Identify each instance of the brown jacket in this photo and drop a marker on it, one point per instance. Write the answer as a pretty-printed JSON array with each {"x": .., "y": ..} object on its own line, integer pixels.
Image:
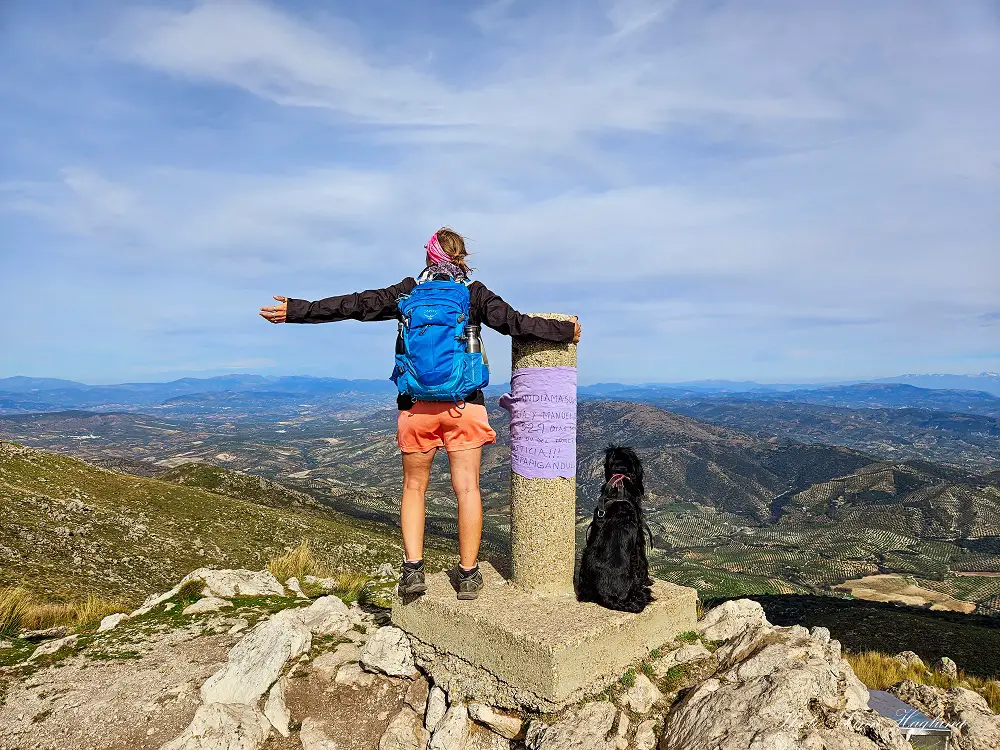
[{"x": 486, "y": 308}]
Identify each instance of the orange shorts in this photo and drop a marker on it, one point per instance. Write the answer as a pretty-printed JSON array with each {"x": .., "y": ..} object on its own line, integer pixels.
[{"x": 441, "y": 424}]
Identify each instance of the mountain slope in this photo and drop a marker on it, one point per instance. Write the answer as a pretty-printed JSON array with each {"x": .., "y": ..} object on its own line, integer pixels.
[{"x": 71, "y": 528}]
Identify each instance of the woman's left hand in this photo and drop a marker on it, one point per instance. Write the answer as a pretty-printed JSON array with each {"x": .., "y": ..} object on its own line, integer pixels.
[{"x": 278, "y": 313}]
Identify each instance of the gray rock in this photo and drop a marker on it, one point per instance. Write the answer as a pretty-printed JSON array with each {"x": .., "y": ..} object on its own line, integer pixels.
[
  {"x": 452, "y": 732},
  {"x": 221, "y": 583},
  {"x": 582, "y": 728},
  {"x": 59, "y": 631},
  {"x": 389, "y": 652},
  {"x": 642, "y": 695},
  {"x": 730, "y": 619},
  {"x": 313, "y": 736},
  {"x": 623, "y": 724},
  {"x": 218, "y": 726},
  {"x": 437, "y": 706},
  {"x": 976, "y": 726},
  {"x": 328, "y": 663},
  {"x": 821, "y": 634},
  {"x": 416, "y": 695},
  {"x": 6, "y": 644},
  {"x": 327, "y": 615},
  {"x": 239, "y": 625},
  {"x": 256, "y": 661},
  {"x": 779, "y": 690},
  {"x": 111, "y": 622},
  {"x": 645, "y": 735},
  {"x": 504, "y": 724},
  {"x": 684, "y": 655},
  {"x": 52, "y": 646},
  {"x": 947, "y": 667},
  {"x": 275, "y": 709},
  {"x": 292, "y": 584},
  {"x": 206, "y": 604},
  {"x": 405, "y": 732},
  {"x": 909, "y": 659}
]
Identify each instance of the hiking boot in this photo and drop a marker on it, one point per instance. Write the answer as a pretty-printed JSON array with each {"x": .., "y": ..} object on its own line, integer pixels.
[
  {"x": 411, "y": 581},
  {"x": 469, "y": 583}
]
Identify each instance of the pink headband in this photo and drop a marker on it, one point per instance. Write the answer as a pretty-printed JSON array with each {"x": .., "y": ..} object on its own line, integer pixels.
[{"x": 434, "y": 251}]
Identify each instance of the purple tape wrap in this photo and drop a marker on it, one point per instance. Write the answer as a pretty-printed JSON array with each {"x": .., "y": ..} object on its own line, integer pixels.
[{"x": 542, "y": 406}]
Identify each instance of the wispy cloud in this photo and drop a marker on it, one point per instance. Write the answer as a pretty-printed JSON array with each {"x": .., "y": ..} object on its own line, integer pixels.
[{"x": 735, "y": 180}]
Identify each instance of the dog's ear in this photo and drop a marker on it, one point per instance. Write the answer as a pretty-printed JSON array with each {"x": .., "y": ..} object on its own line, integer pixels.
[{"x": 609, "y": 460}]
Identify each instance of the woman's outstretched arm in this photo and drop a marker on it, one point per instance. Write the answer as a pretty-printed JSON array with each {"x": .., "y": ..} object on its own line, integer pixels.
[
  {"x": 491, "y": 309},
  {"x": 370, "y": 305}
]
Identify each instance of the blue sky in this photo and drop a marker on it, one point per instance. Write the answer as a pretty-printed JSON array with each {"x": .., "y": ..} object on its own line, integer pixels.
[{"x": 770, "y": 190}]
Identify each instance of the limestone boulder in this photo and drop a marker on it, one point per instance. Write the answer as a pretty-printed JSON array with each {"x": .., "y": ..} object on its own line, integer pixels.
[
  {"x": 111, "y": 622},
  {"x": 389, "y": 652},
  {"x": 328, "y": 615},
  {"x": 292, "y": 584},
  {"x": 405, "y": 732},
  {"x": 256, "y": 662},
  {"x": 45, "y": 634},
  {"x": 909, "y": 659},
  {"x": 416, "y": 695},
  {"x": 976, "y": 726},
  {"x": 224, "y": 584},
  {"x": 327, "y": 664},
  {"x": 437, "y": 706},
  {"x": 51, "y": 647},
  {"x": 645, "y": 735},
  {"x": 730, "y": 619},
  {"x": 585, "y": 727},
  {"x": 642, "y": 696},
  {"x": 779, "y": 688},
  {"x": 218, "y": 726},
  {"x": 452, "y": 732},
  {"x": 206, "y": 604},
  {"x": 275, "y": 709},
  {"x": 506, "y": 725},
  {"x": 947, "y": 667},
  {"x": 313, "y": 736}
]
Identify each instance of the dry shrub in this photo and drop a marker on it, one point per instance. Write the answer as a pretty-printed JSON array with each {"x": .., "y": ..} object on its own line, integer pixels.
[
  {"x": 879, "y": 671},
  {"x": 299, "y": 563},
  {"x": 14, "y": 602},
  {"x": 19, "y": 611}
]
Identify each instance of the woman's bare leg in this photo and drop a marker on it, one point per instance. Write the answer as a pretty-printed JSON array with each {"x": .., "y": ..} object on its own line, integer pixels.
[
  {"x": 416, "y": 475},
  {"x": 465, "y": 482}
]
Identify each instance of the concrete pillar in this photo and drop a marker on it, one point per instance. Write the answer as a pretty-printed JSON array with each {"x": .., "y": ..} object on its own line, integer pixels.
[{"x": 543, "y": 511}]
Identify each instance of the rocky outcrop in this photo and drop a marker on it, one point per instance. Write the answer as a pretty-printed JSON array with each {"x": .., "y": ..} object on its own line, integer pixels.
[
  {"x": 206, "y": 604},
  {"x": 389, "y": 652},
  {"x": 506, "y": 725},
  {"x": 778, "y": 688},
  {"x": 583, "y": 728},
  {"x": 219, "y": 726},
  {"x": 111, "y": 622},
  {"x": 437, "y": 707},
  {"x": 452, "y": 732},
  {"x": 678, "y": 657},
  {"x": 947, "y": 667},
  {"x": 642, "y": 696},
  {"x": 730, "y": 619},
  {"x": 257, "y": 661},
  {"x": 976, "y": 726},
  {"x": 224, "y": 584},
  {"x": 405, "y": 732},
  {"x": 909, "y": 659}
]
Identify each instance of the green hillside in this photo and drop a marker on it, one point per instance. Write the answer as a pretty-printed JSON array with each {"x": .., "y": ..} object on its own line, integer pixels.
[{"x": 69, "y": 528}]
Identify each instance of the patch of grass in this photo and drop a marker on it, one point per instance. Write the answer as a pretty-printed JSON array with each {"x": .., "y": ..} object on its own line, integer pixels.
[
  {"x": 19, "y": 611},
  {"x": 879, "y": 671},
  {"x": 14, "y": 602},
  {"x": 689, "y": 636},
  {"x": 628, "y": 679},
  {"x": 673, "y": 678},
  {"x": 647, "y": 669},
  {"x": 190, "y": 591},
  {"x": 656, "y": 653}
]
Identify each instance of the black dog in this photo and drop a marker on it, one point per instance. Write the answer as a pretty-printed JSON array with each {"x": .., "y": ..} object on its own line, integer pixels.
[{"x": 614, "y": 572}]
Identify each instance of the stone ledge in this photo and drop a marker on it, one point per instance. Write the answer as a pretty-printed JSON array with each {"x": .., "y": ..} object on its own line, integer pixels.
[{"x": 521, "y": 650}]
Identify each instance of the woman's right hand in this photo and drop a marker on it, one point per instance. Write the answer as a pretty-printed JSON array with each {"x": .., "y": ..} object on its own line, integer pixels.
[
  {"x": 576, "y": 330},
  {"x": 277, "y": 313}
]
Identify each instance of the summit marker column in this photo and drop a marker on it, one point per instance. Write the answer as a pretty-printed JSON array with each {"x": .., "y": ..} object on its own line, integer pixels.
[{"x": 543, "y": 463}]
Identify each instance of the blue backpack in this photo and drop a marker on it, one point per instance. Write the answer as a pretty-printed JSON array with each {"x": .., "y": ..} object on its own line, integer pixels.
[{"x": 432, "y": 363}]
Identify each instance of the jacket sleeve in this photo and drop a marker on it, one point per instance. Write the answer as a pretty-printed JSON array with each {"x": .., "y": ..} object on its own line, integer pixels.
[
  {"x": 370, "y": 305},
  {"x": 489, "y": 308}
]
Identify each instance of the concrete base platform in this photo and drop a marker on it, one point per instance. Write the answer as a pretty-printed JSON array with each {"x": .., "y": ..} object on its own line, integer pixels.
[{"x": 519, "y": 650}]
